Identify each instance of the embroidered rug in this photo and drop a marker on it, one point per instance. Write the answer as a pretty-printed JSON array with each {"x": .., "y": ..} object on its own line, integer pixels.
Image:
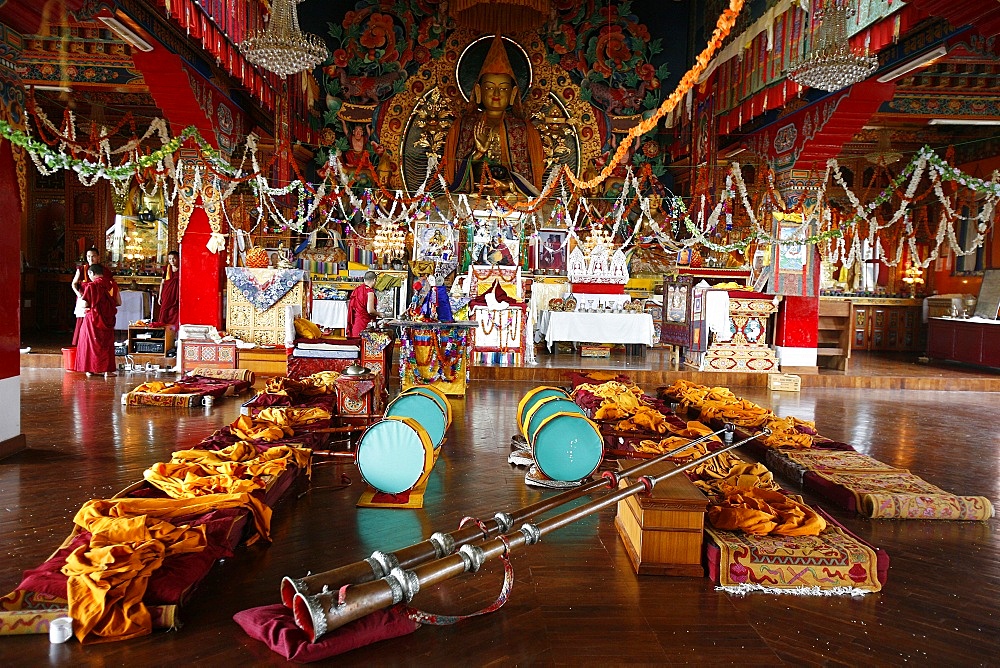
[
  {"x": 840, "y": 460},
  {"x": 163, "y": 400},
  {"x": 897, "y": 495},
  {"x": 794, "y": 464},
  {"x": 834, "y": 562}
]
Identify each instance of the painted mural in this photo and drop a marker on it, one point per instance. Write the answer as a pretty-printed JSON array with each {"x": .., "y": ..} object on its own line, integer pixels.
[{"x": 397, "y": 81}]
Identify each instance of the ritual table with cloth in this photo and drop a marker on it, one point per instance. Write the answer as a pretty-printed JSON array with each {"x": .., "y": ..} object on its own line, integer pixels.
[
  {"x": 435, "y": 353},
  {"x": 576, "y": 326}
]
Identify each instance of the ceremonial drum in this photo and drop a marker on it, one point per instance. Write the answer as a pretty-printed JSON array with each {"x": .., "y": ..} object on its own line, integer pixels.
[
  {"x": 567, "y": 446},
  {"x": 395, "y": 454},
  {"x": 424, "y": 410},
  {"x": 533, "y": 397},
  {"x": 544, "y": 408},
  {"x": 433, "y": 393}
]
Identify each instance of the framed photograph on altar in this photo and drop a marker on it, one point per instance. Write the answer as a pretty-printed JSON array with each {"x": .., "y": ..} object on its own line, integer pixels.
[
  {"x": 434, "y": 241},
  {"x": 791, "y": 257},
  {"x": 549, "y": 251},
  {"x": 276, "y": 255}
]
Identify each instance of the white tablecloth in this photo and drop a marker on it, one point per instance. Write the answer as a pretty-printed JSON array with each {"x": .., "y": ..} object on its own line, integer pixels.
[
  {"x": 329, "y": 313},
  {"x": 597, "y": 327},
  {"x": 135, "y": 306}
]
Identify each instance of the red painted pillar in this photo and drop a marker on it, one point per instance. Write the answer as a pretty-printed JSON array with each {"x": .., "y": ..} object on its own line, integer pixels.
[
  {"x": 203, "y": 275},
  {"x": 11, "y": 438},
  {"x": 796, "y": 332}
]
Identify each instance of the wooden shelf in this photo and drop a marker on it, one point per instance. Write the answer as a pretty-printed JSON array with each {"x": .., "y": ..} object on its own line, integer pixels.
[
  {"x": 835, "y": 331},
  {"x": 150, "y": 340}
]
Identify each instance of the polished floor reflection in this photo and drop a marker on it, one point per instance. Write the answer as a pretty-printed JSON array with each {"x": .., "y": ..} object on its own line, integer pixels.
[{"x": 575, "y": 599}]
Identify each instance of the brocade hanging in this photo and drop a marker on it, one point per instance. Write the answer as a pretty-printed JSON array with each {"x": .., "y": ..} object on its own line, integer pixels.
[{"x": 264, "y": 295}]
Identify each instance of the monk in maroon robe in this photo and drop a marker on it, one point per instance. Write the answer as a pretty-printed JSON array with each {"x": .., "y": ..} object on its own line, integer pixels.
[
  {"x": 361, "y": 308},
  {"x": 95, "y": 351},
  {"x": 80, "y": 279},
  {"x": 170, "y": 291}
]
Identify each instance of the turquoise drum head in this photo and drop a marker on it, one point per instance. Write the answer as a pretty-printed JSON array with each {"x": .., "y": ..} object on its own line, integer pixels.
[
  {"x": 533, "y": 397},
  {"x": 547, "y": 408},
  {"x": 437, "y": 396},
  {"x": 567, "y": 447},
  {"x": 424, "y": 410},
  {"x": 393, "y": 456}
]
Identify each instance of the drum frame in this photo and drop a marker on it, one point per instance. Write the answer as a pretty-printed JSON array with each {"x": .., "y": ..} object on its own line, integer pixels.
[
  {"x": 425, "y": 440},
  {"x": 550, "y": 419}
]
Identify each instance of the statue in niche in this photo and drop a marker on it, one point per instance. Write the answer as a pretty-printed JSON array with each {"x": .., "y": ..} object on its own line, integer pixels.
[{"x": 494, "y": 132}]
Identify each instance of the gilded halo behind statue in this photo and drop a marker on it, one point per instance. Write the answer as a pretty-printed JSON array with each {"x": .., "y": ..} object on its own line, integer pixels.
[
  {"x": 488, "y": 111},
  {"x": 474, "y": 55}
]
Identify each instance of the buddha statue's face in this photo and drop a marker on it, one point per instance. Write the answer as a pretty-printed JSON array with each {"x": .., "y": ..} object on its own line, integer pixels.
[{"x": 496, "y": 91}]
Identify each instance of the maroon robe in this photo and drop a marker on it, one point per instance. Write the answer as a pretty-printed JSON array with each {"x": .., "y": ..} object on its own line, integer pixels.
[
  {"x": 83, "y": 282},
  {"x": 169, "y": 301},
  {"x": 357, "y": 311},
  {"x": 95, "y": 351}
]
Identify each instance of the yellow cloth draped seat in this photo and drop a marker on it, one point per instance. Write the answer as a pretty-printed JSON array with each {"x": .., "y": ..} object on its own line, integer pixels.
[
  {"x": 693, "y": 430},
  {"x": 785, "y": 435},
  {"x": 130, "y": 538},
  {"x": 759, "y": 511},
  {"x": 160, "y": 387},
  {"x": 740, "y": 412}
]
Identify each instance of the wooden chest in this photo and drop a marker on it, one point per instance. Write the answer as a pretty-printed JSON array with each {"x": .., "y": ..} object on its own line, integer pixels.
[
  {"x": 663, "y": 531},
  {"x": 207, "y": 354}
]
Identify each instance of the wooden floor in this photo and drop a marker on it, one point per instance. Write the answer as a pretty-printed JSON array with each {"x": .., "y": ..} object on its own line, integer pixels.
[{"x": 576, "y": 600}]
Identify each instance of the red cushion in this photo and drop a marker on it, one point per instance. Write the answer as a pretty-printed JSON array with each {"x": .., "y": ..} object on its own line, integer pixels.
[{"x": 275, "y": 626}]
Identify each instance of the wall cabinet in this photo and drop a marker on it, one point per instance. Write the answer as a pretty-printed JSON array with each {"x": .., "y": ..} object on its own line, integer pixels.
[{"x": 964, "y": 341}]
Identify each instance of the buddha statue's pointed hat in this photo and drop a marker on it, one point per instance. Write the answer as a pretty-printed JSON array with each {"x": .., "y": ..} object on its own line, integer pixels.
[{"x": 496, "y": 61}]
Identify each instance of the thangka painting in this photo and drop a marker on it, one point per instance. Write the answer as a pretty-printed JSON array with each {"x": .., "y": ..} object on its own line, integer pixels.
[{"x": 434, "y": 242}]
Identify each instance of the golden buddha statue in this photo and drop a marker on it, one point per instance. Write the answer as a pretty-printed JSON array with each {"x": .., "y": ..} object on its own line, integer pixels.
[{"x": 493, "y": 132}]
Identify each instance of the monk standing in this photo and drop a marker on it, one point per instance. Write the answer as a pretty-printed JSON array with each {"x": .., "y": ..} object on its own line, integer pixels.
[
  {"x": 361, "y": 307},
  {"x": 95, "y": 351},
  {"x": 93, "y": 257},
  {"x": 169, "y": 290}
]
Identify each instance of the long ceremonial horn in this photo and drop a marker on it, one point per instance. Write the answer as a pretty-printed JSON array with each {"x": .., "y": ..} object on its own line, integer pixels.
[
  {"x": 442, "y": 544},
  {"x": 320, "y": 613}
]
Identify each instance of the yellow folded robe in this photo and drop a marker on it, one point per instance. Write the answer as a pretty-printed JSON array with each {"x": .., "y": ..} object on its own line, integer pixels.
[
  {"x": 761, "y": 511},
  {"x": 248, "y": 429},
  {"x": 107, "y": 578},
  {"x": 292, "y": 417},
  {"x": 199, "y": 472},
  {"x": 741, "y": 412},
  {"x": 160, "y": 387},
  {"x": 785, "y": 435},
  {"x": 129, "y": 540}
]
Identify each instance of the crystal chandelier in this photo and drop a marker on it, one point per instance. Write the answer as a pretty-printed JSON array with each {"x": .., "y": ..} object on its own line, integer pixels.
[
  {"x": 389, "y": 243},
  {"x": 282, "y": 47},
  {"x": 831, "y": 64}
]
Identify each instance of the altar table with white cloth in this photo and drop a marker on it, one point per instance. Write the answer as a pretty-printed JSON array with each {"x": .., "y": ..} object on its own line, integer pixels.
[{"x": 627, "y": 328}]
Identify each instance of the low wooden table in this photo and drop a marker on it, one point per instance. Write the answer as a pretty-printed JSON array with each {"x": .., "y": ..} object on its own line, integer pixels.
[
  {"x": 263, "y": 361},
  {"x": 663, "y": 531}
]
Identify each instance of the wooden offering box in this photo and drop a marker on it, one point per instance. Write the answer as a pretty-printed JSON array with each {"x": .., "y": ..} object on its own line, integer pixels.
[{"x": 663, "y": 531}]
